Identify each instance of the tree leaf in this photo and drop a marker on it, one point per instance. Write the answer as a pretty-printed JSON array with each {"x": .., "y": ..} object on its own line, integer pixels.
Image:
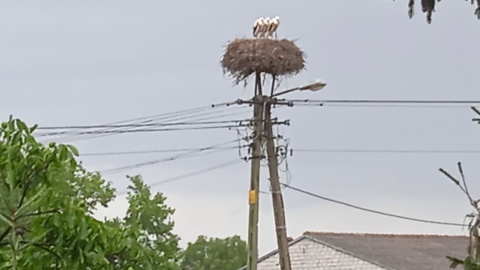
[{"x": 73, "y": 149}]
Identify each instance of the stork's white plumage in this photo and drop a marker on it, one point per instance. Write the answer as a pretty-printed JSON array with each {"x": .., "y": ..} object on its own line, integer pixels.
[
  {"x": 273, "y": 26},
  {"x": 266, "y": 26},
  {"x": 258, "y": 27}
]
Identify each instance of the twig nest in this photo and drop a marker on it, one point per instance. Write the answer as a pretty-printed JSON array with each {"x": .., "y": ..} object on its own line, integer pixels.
[{"x": 244, "y": 57}]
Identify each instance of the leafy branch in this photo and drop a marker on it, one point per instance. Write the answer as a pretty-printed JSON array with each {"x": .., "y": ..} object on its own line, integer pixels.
[
  {"x": 38, "y": 213},
  {"x": 31, "y": 182}
]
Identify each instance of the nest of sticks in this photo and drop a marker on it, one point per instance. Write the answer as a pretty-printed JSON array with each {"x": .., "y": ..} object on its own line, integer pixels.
[{"x": 244, "y": 57}]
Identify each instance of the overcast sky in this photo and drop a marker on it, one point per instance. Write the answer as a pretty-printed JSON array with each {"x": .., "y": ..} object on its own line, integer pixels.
[{"x": 94, "y": 62}]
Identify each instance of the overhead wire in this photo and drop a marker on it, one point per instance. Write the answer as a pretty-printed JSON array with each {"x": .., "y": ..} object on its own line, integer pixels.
[
  {"x": 393, "y": 151},
  {"x": 293, "y": 150},
  {"x": 187, "y": 175},
  {"x": 143, "y": 125},
  {"x": 383, "y": 103},
  {"x": 371, "y": 210},
  {"x": 156, "y": 130},
  {"x": 158, "y": 161},
  {"x": 175, "y": 157},
  {"x": 163, "y": 118},
  {"x": 146, "y": 119},
  {"x": 139, "y": 152}
]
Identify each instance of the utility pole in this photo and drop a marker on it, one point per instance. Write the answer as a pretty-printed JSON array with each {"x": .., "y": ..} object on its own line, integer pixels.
[
  {"x": 279, "y": 58},
  {"x": 278, "y": 207},
  {"x": 253, "y": 200},
  {"x": 263, "y": 129}
]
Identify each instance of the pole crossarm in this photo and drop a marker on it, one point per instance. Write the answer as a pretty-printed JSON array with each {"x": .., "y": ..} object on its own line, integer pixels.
[{"x": 267, "y": 99}]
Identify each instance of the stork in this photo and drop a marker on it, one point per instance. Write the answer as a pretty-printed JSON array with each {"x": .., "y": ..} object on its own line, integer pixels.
[
  {"x": 266, "y": 26},
  {"x": 258, "y": 26},
  {"x": 273, "y": 26}
]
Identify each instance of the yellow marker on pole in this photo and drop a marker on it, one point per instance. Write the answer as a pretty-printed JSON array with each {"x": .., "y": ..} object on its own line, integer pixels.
[{"x": 252, "y": 197}]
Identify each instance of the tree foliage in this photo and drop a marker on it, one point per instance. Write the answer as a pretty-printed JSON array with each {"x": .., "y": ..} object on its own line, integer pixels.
[
  {"x": 46, "y": 204},
  {"x": 215, "y": 254},
  {"x": 428, "y": 7}
]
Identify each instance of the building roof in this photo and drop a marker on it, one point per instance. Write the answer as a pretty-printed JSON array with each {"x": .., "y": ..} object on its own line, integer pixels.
[
  {"x": 397, "y": 251},
  {"x": 393, "y": 251}
]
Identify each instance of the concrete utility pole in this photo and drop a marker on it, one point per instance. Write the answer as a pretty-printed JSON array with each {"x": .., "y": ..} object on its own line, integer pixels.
[
  {"x": 263, "y": 127},
  {"x": 277, "y": 199},
  {"x": 258, "y": 112},
  {"x": 243, "y": 58}
]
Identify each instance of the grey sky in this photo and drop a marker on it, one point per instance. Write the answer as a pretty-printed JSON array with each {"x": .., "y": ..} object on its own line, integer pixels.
[{"x": 94, "y": 62}]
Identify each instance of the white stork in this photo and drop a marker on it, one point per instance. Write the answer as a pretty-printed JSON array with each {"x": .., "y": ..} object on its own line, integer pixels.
[
  {"x": 258, "y": 26},
  {"x": 273, "y": 26},
  {"x": 266, "y": 26}
]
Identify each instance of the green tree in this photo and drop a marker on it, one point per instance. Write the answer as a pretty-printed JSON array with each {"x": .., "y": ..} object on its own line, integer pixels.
[
  {"x": 46, "y": 204},
  {"x": 215, "y": 254}
]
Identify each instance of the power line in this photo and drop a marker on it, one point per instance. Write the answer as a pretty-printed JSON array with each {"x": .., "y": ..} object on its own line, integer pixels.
[
  {"x": 146, "y": 119},
  {"x": 405, "y": 102},
  {"x": 175, "y": 157},
  {"x": 144, "y": 125},
  {"x": 187, "y": 175},
  {"x": 165, "y": 118},
  {"x": 139, "y": 152},
  {"x": 145, "y": 130},
  {"x": 372, "y": 211},
  {"x": 307, "y": 150},
  {"x": 393, "y": 151},
  {"x": 380, "y": 106},
  {"x": 157, "y": 161},
  {"x": 442, "y": 104}
]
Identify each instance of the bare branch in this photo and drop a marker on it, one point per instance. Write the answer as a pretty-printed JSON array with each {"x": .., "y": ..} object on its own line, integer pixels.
[
  {"x": 473, "y": 202},
  {"x": 476, "y": 110},
  {"x": 463, "y": 187},
  {"x": 473, "y": 108},
  {"x": 460, "y": 169},
  {"x": 451, "y": 177}
]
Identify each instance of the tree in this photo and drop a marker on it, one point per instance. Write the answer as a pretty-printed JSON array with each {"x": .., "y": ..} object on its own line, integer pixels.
[
  {"x": 46, "y": 203},
  {"x": 428, "y": 7},
  {"x": 215, "y": 254},
  {"x": 472, "y": 260}
]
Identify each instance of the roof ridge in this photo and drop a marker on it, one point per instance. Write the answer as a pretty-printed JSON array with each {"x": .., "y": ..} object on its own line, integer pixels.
[{"x": 398, "y": 235}]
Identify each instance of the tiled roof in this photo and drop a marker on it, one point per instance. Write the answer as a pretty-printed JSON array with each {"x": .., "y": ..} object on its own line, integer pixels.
[{"x": 400, "y": 252}]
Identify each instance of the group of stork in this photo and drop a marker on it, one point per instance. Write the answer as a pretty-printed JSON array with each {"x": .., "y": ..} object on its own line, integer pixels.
[{"x": 266, "y": 27}]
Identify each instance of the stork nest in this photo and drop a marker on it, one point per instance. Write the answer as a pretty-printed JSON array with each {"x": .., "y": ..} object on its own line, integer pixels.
[{"x": 244, "y": 57}]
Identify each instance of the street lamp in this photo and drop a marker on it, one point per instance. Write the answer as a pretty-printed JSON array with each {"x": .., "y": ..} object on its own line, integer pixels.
[{"x": 316, "y": 86}]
